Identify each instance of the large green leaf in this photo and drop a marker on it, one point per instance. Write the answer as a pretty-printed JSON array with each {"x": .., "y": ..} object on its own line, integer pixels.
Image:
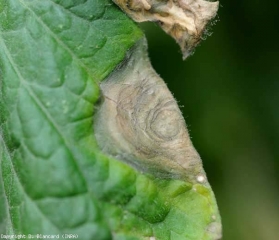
[{"x": 54, "y": 179}]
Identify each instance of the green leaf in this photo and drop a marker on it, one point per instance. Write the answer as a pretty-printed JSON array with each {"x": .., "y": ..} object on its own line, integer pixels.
[{"x": 54, "y": 179}]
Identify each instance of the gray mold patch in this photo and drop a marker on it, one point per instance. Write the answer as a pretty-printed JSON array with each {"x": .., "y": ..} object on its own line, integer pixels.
[{"x": 138, "y": 121}]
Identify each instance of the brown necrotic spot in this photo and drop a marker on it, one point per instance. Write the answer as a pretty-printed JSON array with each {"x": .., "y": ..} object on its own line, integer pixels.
[
  {"x": 140, "y": 123},
  {"x": 184, "y": 20},
  {"x": 162, "y": 124}
]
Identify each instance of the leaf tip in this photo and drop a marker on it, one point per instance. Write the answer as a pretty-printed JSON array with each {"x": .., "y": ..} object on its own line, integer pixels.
[{"x": 184, "y": 20}]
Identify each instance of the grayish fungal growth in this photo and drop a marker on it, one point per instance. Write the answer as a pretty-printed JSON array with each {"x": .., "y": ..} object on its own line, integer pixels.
[
  {"x": 139, "y": 121},
  {"x": 184, "y": 20}
]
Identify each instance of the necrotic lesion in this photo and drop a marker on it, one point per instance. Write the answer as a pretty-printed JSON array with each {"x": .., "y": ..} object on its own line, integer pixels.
[
  {"x": 184, "y": 20},
  {"x": 140, "y": 123}
]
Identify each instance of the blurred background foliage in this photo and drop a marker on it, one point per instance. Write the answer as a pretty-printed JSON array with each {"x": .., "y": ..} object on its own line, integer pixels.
[{"x": 229, "y": 94}]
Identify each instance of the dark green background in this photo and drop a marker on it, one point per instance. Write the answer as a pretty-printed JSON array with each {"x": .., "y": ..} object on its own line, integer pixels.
[{"x": 229, "y": 94}]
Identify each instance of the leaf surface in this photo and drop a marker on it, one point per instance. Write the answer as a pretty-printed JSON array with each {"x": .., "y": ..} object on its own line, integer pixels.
[{"x": 54, "y": 179}]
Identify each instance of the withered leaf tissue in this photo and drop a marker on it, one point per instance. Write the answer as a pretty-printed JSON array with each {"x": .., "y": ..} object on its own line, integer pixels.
[
  {"x": 139, "y": 122},
  {"x": 184, "y": 20}
]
